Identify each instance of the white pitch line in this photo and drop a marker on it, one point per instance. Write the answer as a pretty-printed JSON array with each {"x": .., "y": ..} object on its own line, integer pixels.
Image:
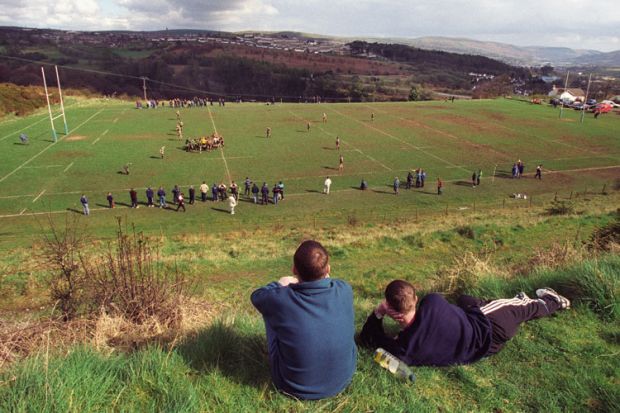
[
  {"x": 389, "y": 135},
  {"x": 221, "y": 148},
  {"x": 100, "y": 136},
  {"x": 47, "y": 147},
  {"x": 450, "y": 135},
  {"x": 115, "y": 120},
  {"x": 67, "y": 168},
  {"x": 23, "y": 210},
  {"x": 39, "y": 196},
  {"x": 43, "y": 166}
]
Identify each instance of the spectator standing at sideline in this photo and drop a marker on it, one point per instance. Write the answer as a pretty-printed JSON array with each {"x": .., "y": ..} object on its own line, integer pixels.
[
  {"x": 538, "y": 172},
  {"x": 181, "y": 202},
  {"x": 265, "y": 194},
  {"x": 214, "y": 192},
  {"x": 192, "y": 195},
  {"x": 84, "y": 202},
  {"x": 110, "y": 199},
  {"x": 204, "y": 189},
  {"x": 149, "y": 197},
  {"x": 133, "y": 195},
  {"x": 255, "y": 191},
  {"x": 326, "y": 185},
  {"x": 396, "y": 185},
  {"x": 232, "y": 203},
  {"x": 161, "y": 193}
]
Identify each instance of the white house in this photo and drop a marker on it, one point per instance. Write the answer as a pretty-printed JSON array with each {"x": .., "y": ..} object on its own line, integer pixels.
[{"x": 570, "y": 94}]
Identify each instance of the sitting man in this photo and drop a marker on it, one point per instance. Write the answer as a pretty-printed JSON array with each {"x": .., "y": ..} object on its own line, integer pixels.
[
  {"x": 440, "y": 334},
  {"x": 310, "y": 327}
]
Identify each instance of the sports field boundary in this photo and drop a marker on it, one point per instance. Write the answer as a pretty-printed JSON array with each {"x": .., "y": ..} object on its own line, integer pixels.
[
  {"x": 50, "y": 145},
  {"x": 303, "y": 194}
]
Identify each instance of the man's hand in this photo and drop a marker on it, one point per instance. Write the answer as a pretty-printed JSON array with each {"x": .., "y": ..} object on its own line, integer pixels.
[
  {"x": 396, "y": 316},
  {"x": 285, "y": 281},
  {"x": 382, "y": 309}
]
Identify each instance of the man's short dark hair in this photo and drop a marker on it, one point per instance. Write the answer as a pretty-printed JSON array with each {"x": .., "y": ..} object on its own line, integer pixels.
[
  {"x": 400, "y": 295},
  {"x": 311, "y": 261}
]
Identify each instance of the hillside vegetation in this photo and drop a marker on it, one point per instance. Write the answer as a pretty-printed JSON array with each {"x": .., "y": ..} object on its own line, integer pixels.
[{"x": 217, "y": 359}]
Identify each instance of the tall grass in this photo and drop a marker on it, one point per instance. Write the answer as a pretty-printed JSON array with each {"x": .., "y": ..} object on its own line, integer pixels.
[{"x": 564, "y": 363}]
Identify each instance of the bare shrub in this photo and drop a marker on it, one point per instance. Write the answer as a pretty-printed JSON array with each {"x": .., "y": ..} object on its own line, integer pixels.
[
  {"x": 560, "y": 207},
  {"x": 60, "y": 254},
  {"x": 129, "y": 281},
  {"x": 464, "y": 274},
  {"x": 555, "y": 256},
  {"x": 606, "y": 238}
]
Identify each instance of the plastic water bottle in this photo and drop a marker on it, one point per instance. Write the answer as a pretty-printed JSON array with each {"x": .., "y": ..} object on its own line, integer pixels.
[{"x": 393, "y": 364}]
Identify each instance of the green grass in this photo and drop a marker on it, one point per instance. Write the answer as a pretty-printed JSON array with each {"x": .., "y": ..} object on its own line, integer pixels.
[
  {"x": 448, "y": 140},
  {"x": 567, "y": 362}
]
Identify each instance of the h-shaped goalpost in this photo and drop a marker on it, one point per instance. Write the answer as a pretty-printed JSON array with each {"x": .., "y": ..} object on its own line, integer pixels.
[{"x": 49, "y": 106}]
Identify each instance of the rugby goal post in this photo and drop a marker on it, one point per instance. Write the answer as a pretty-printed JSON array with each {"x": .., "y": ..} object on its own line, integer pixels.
[{"x": 49, "y": 106}]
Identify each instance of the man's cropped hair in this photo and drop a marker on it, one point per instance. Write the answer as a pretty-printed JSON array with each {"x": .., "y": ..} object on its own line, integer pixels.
[
  {"x": 401, "y": 296},
  {"x": 311, "y": 261}
]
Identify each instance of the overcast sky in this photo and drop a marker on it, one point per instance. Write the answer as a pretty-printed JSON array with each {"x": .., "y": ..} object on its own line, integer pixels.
[{"x": 593, "y": 24}]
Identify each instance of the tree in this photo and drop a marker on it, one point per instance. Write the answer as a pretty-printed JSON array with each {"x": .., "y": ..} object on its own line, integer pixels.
[{"x": 414, "y": 95}]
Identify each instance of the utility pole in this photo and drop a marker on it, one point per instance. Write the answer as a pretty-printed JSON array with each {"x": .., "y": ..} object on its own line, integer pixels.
[
  {"x": 561, "y": 101},
  {"x": 144, "y": 86},
  {"x": 583, "y": 108}
]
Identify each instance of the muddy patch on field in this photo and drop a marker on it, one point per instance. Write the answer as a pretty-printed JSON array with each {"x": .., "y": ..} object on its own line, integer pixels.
[
  {"x": 71, "y": 154},
  {"x": 75, "y": 138}
]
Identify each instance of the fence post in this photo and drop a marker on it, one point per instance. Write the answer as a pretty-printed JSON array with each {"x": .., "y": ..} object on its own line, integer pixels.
[
  {"x": 315, "y": 222},
  {"x": 474, "y": 206},
  {"x": 603, "y": 191},
  {"x": 530, "y": 202},
  {"x": 571, "y": 195},
  {"x": 503, "y": 203},
  {"x": 416, "y": 214},
  {"x": 555, "y": 197},
  {"x": 446, "y": 210}
]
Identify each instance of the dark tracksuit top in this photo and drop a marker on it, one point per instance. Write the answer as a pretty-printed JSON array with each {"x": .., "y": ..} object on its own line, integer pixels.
[
  {"x": 441, "y": 334},
  {"x": 313, "y": 352}
]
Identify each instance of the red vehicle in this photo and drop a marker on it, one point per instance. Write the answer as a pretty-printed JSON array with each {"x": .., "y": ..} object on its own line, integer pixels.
[{"x": 603, "y": 108}]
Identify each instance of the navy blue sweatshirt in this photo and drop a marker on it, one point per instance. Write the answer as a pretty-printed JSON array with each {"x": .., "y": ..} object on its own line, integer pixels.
[
  {"x": 441, "y": 334},
  {"x": 310, "y": 333}
]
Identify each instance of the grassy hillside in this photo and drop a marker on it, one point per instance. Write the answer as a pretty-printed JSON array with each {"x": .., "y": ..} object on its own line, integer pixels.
[{"x": 566, "y": 362}]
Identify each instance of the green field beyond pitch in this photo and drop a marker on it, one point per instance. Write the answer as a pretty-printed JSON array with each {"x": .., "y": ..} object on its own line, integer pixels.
[{"x": 448, "y": 140}]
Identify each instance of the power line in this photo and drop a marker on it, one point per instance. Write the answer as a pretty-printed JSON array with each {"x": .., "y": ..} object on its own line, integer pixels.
[{"x": 171, "y": 85}]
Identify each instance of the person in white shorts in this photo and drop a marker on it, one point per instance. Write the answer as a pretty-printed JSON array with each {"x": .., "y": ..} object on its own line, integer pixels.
[{"x": 327, "y": 184}]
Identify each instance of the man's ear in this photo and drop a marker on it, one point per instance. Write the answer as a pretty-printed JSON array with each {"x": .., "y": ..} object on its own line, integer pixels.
[
  {"x": 294, "y": 271},
  {"x": 329, "y": 269}
]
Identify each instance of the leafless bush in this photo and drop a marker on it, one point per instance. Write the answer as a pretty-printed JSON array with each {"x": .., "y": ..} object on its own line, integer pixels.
[
  {"x": 551, "y": 257},
  {"x": 128, "y": 280},
  {"x": 61, "y": 256},
  {"x": 464, "y": 274},
  {"x": 606, "y": 238}
]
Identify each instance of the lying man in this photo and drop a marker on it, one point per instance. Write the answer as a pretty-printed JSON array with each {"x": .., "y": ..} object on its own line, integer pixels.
[
  {"x": 440, "y": 334},
  {"x": 310, "y": 327}
]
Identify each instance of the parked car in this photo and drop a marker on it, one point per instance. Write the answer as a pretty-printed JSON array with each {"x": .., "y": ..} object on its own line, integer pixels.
[{"x": 603, "y": 108}]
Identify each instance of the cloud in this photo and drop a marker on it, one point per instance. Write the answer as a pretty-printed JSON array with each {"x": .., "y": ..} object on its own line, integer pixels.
[{"x": 570, "y": 23}]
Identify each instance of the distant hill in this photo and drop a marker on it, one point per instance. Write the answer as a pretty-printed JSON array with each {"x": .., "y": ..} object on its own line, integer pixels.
[{"x": 523, "y": 56}]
